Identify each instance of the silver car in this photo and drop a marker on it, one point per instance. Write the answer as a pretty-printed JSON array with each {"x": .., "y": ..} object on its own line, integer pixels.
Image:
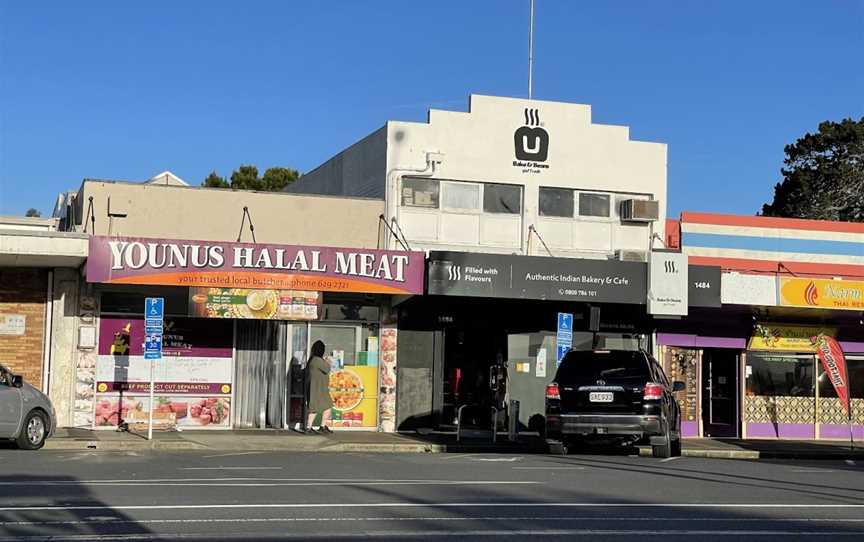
[{"x": 26, "y": 414}]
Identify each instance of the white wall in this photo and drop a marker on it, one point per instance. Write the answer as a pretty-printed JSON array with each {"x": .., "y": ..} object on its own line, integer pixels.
[{"x": 479, "y": 146}]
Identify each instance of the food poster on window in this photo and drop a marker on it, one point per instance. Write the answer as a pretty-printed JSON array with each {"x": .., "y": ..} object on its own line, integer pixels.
[
  {"x": 193, "y": 380},
  {"x": 387, "y": 380},
  {"x": 354, "y": 391},
  {"x": 243, "y": 303},
  {"x": 85, "y": 389}
]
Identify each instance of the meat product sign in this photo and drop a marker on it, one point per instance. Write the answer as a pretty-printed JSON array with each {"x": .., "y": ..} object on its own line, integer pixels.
[
  {"x": 834, "y": 363},
  {"x": 126, "y": 260}
]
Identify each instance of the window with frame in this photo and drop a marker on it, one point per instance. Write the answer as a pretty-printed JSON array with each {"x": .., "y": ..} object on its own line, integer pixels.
[
  {"x": 779, "y": 375},
  {"x": 460, "y": 196},
  {"x": 420, "y": 192},
  {"x": 502, "y": 198},
  {"x": 593, "y": 204},
  {"x": 556, "y": 202}
]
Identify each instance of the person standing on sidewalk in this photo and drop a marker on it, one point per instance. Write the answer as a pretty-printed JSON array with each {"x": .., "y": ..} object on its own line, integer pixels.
[{"x": 318, "y": 377}]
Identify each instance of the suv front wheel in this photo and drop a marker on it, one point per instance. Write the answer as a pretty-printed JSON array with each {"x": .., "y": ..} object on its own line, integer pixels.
[{"x": 34, "y": 431}]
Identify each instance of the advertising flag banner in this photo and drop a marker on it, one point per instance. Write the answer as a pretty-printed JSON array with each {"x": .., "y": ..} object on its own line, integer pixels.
[{"x": 831, "y": 356}]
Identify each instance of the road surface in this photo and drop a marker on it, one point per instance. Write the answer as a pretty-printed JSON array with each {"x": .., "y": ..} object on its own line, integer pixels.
[{"x": 276, "y": 496}]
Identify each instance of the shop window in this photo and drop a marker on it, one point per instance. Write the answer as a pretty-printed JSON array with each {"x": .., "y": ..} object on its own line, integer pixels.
[
  {"x": 502, "y": 198},
  {"x": 591, "y": 204},
  {"x": 556, "y": 202},
  {"x": 780, "y": 375},
  {"x": 420, "y": 192},
  {"x": 461, "y": 196},
  {"x": 682, "y": 364},
  {"x": 855, "y": 369},
  {"x": 122, "y": 301},
  {"x": 340, "y": 341}
]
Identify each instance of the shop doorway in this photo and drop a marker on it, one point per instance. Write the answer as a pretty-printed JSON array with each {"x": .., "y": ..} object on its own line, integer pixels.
[
  {"x": 720, "y": 393},
  {"x": 469, "y": 355},
  {"x": 265, "y": 353}
]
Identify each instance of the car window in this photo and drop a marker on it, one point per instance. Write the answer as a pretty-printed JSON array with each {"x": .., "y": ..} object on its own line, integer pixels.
[
  {"x": 5, "y": 379},
  {"x": 659, "y": 375},
  {"x": 609, "y": 366}
]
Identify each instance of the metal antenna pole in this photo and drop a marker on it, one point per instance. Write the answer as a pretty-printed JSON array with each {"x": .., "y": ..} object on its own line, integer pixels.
[{"x": 531, "y": 52}]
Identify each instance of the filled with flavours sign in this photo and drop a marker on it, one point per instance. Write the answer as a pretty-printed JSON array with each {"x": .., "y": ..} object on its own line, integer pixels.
[{"x": 125, "y": 260}]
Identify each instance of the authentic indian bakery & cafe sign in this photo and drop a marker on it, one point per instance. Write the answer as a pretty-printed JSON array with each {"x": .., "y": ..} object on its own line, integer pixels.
[{"x": 126, "y": 260}]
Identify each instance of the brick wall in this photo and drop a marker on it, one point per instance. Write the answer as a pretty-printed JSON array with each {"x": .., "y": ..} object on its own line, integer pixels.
[{"x": 24, "y": 291}]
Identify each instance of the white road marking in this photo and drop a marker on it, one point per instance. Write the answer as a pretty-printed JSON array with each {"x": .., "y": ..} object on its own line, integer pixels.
[
  {"x": 311, "y": 484},
  {"x": 120, "y": 521},
  {"x": 231, "y": 468},
  {"x": 231, "y": 454},
  {"x": 668, "y": 459},
  {"x": 458, "y": 456},
  {"x": 459, "y": 534},
  {"x": 548, "y": 468},
  {"x": 232, "y": 479},
  {"x": 268, "y": 482},
  {"x": 812, "y": 470},
  {"x": 497, "y": 459},
  {"x": 706, "y": 506},
  {"x": 850, "y": 462}
]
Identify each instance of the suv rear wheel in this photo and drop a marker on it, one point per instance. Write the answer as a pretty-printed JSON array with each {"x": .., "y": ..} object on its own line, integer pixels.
[
  {"x": 676, "y": 447},
  {"x": 663, "y": 450}
]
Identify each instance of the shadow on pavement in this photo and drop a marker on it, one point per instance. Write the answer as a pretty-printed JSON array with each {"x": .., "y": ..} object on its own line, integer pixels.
[
  {"x": 49, "y": 507},
  {"x": 826, "y": 493},
  {"x": 621, "y": 517}
]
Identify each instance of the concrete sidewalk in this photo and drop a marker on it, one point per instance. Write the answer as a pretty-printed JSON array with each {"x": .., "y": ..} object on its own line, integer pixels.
[{"x": 356, "y": 441}]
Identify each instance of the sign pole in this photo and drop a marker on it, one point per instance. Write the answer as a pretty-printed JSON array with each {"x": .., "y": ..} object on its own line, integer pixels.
[
  {"x": 154, "y": 319},
  {"x": 150, "y": 417}
]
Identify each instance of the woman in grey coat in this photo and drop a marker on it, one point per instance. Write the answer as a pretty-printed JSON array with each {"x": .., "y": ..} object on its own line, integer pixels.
[{"x": 318, "y": 379}]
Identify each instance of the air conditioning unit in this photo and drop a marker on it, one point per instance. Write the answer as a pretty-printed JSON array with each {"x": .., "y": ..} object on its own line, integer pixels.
[
  {"x": 640, "y": 210},
  {"x": 631, "y": 255}
]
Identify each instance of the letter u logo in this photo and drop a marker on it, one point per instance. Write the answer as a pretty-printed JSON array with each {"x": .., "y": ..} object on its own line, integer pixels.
[{"x": 529, "y": 148}]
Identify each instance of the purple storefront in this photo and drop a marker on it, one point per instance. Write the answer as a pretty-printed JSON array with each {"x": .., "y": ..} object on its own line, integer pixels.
[{"x": 751, "y": 365}]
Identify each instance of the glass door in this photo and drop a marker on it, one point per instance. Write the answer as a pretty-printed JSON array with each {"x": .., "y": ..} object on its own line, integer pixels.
[
  {"x": 352, "y": 350},
  {"x": 720, "y": 393}
]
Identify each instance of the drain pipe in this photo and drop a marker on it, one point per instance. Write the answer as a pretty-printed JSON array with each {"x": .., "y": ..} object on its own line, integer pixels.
[{"x": 394, "y": 180}]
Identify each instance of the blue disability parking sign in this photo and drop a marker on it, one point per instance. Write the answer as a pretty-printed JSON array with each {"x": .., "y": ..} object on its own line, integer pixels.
[{"x": 564, "y": 338}]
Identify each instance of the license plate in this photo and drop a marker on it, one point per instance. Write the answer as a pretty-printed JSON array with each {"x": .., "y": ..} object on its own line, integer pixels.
[{"x": 601, "y": 396}]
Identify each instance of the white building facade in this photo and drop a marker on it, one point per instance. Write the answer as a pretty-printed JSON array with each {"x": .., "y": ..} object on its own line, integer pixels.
[{"x": 508, "y": 176}]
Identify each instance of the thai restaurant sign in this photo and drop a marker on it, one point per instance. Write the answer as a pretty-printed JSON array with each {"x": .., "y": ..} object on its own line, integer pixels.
[
  {"x": 128, "y": 260},
  {"x": 783, "y": 338},
  {"x": 822, "y": 293}
]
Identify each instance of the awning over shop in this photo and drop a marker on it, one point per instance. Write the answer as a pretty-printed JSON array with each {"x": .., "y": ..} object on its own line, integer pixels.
[{"x": 23, "y": 248}]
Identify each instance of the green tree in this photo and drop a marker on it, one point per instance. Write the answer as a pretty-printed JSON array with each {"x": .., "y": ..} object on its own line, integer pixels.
[
  {"x": 246, "y": 178},
  {"x": 215, "y": 181},
  {"x": 823, "y": 175},
  {"x": 33, "y": 213},
  {"x": 277, "y": 178}
]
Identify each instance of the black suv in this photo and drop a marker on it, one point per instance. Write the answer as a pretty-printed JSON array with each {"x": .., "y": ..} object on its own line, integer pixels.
[{"x": 614, "y": 392}]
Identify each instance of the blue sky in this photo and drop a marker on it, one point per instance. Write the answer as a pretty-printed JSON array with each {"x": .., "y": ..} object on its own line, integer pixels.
[{"x": 125, "y": 90}]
